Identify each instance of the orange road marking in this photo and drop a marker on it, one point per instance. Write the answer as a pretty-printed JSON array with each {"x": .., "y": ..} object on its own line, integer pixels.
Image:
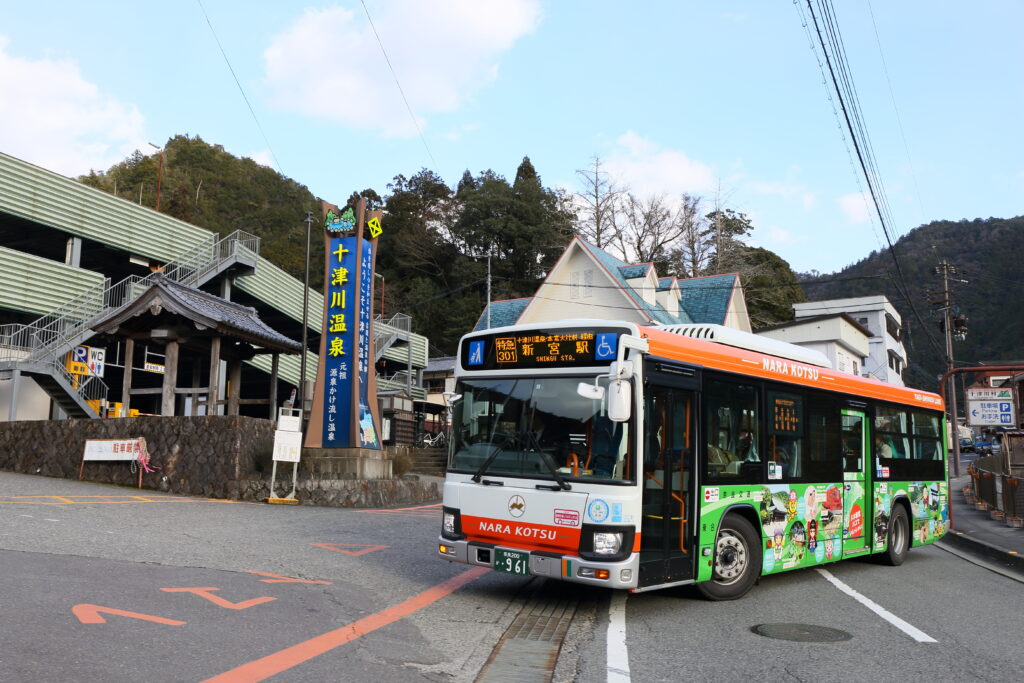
[
  {"x": 285, "y": 579},
  {"x": 90, "y": 614},
  {"x": 283, "y": 660},
  {"x": 338, "y": 548},
  {"x": 207, "y": 593}
]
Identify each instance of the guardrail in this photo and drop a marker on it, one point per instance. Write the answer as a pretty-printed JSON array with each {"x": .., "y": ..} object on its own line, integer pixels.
[{"x": 990, "y": 489}]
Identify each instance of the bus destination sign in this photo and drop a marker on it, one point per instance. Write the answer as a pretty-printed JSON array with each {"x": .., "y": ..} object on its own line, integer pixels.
[{"x": 541, "y": 348}]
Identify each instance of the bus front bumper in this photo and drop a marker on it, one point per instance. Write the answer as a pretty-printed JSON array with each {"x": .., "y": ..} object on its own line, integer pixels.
[{"x": 622, "y": 574}]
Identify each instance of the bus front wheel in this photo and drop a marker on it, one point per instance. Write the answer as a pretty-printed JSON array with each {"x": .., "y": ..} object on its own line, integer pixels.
[
  {"x": 737, "y": 560},
  {"x": 899, "y": 537}
]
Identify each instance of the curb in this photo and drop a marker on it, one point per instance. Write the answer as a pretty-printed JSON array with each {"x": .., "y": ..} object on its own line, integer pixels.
[{"x": 1004, "y": 558}]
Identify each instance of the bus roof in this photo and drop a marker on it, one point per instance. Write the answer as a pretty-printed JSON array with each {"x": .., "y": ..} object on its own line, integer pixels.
[{"x": 745, "y": 362}]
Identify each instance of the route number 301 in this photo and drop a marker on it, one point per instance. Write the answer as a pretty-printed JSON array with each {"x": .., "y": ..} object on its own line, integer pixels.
[{"x": 511, "y": 561}]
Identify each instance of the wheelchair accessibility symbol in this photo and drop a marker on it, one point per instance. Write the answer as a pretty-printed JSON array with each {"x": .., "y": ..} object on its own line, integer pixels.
[{"x": 607, "y": 344}]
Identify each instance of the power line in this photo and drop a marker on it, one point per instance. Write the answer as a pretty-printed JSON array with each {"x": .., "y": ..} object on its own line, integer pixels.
[
  {"x": 240, "y": 88},
  {"x": 830, "y": 39},
  {"x": 899, "y": 120},
  {"x": 400, "y": 90}
]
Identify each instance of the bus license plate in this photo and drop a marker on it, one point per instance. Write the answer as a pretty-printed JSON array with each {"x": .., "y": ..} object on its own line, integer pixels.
[{"x": 512, "y": 561}]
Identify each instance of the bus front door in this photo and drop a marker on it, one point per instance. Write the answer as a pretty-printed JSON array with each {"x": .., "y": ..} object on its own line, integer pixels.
[
  {"x": 669, "y": 433},
  {"x": 856, "y": 498}
]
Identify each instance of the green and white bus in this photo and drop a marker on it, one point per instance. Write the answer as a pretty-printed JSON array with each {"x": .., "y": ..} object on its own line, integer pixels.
[{"x": 639, "y": 458}]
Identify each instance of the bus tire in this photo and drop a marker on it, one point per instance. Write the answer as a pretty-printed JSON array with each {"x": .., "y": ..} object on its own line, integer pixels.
[
  {"x": 898, "y": 537},
  {"x": 737, "y": 560}
]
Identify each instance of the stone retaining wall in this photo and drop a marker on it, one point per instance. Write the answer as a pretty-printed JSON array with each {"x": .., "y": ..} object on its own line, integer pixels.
[{"x": 213, "y": 457}]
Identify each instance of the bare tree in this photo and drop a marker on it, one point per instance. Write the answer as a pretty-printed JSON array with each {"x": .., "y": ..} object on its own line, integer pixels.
[
  {"x": 600, "y": 201},
  {"x": 695, "y": 248},
  {"x": 649, "y": 229}
]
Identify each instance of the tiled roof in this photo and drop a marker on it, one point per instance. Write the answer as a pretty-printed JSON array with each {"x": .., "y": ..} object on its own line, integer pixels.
[
  {"x": 635, "y": 270},
  {"x": 212, "y": 311},
  {"x": 706, "y": 299},
  {"x": 614, "y": 266},
  {"x": 440, "y": 364},
  {"x": 665, "y": 283},
  {"x": 502, "y": 313}
]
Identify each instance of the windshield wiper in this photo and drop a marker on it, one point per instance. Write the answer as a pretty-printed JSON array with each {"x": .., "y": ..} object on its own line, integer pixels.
[{"x": 487, "y": 463}]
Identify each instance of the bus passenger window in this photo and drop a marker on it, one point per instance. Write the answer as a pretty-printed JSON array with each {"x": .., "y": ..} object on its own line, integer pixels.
[{"x": 732, "y": 426}]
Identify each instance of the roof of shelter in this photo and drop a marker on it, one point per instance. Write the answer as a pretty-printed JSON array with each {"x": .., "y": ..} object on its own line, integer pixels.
[{"x": 206, "y": 310}]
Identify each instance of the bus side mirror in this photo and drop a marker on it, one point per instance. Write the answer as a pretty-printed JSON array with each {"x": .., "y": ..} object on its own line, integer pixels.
[
  {"x": 620, "y": 400},
  {"x": 592, "y": 391}
]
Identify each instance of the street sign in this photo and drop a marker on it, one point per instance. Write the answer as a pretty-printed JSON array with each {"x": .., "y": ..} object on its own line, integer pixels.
[
  {"x": 987, "y": 394},
  {"x": 991, "y": 413}
]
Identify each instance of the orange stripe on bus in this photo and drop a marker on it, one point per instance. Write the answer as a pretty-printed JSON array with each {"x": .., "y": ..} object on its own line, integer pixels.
[
  {"x": 270, "y": 665},
  {"x": 751, "y": 363}
]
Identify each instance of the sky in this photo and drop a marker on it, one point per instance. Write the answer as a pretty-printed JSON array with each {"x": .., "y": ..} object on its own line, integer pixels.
[{"x": 723, "y": 100}]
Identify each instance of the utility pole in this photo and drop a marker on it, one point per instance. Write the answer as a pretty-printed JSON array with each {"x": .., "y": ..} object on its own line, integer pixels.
[
  {"x": 488, "y": 287},
  {"x": 159, "y": 175},
  {"x": 305, "y": 322},
  {"x": 945, "y": 270}
]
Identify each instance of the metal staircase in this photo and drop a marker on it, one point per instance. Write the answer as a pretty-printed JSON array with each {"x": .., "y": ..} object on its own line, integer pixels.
[{"x": 38, "y": 348}]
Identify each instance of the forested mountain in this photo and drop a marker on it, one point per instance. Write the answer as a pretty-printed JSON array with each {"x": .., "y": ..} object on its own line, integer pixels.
[
  {"x": 986, "y": 254},
  {"x": 204, "y": 185},
  {"x": 434, "y": 249}
]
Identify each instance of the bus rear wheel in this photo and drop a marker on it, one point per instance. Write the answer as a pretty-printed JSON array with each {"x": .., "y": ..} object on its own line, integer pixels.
[
  {"x": 737, "y": 560},
  {"x": 899, "y": 537}
]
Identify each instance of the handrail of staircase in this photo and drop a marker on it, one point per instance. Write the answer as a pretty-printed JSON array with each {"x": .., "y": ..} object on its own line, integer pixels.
[
  {"x": 50, "y": 334},
  {"x": 88, "y": 387}
]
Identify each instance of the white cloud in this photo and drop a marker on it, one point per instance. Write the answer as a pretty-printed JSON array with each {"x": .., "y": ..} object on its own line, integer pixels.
[
  {"x": 328, "y": 65},
  {"x": 263, "y": 158},
  {"x": 788, "y": 191},
  {"x": 646, "y": 168},
  {"x": 51, "y": 116},
  {"x": 855, "y": 207}
]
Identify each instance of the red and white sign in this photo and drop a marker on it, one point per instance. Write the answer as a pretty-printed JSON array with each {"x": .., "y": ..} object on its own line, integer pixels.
[
  {"x": 711, "y": 494},
  {"x": 567, "y": 517},
  {"x": 856, "y": 521},
  {"x": 521, "y": 534},
  {"x": 112, "y": 449}
]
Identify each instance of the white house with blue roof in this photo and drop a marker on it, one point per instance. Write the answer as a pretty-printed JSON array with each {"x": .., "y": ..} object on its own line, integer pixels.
[{"x": 588, "y": 282}]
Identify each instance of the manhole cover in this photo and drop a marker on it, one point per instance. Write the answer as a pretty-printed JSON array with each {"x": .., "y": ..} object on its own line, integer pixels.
[{"x": 804, "y": 633}]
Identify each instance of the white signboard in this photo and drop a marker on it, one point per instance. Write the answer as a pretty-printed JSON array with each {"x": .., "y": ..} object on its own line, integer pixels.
[
  {"x": 153, "y": 367},
  {"x": 112, "y": 449},
  {"x": 986, "y": 394},
  {"x": 991, "y": 413},
  {"x": 289, "y": 423},
  {"x": 287, "y": 446},
  {"x": 97, "y": 360}
]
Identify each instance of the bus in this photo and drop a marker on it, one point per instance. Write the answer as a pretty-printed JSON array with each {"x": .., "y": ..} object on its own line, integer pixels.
[{"x": 643, "y": 457}]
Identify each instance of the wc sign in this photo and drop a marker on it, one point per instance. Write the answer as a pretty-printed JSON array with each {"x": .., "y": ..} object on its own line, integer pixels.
[{"x": 87, "y": 360}]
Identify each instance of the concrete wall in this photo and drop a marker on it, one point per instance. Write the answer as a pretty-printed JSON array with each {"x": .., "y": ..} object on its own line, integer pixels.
[{"x": 33, "y": 402}]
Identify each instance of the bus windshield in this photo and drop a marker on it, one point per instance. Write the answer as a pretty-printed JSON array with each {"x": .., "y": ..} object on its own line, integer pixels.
[{"x": 528, "y": 427}]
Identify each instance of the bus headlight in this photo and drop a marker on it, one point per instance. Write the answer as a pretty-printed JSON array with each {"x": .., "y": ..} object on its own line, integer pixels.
[
  {"x": 449, "y": 523},
  {"x": 607, "y": 543}
]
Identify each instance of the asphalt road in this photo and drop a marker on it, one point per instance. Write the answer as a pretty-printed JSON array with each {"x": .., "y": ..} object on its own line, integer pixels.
[{"x": 99, "y": 583}]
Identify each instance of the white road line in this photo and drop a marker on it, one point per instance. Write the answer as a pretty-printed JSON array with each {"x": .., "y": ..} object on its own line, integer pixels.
[
  {"x": 618, "y": 654},
  {"x": 912, "y": 631}
]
